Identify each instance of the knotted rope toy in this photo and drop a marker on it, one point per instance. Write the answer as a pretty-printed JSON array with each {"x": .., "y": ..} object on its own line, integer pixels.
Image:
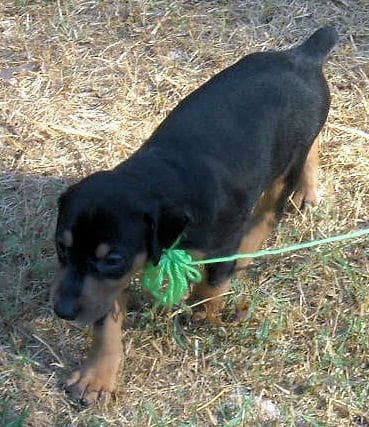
[{"x": 168, "y": 280}]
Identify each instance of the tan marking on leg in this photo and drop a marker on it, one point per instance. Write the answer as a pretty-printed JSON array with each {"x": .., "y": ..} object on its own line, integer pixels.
[
  {"x": 307, "y": 187},
  {"x": 102, "y": 250},
  {"x": 263, "y": 221},
  {"x": 68, "y": 238},
  {"x": 97, "y": 376}
]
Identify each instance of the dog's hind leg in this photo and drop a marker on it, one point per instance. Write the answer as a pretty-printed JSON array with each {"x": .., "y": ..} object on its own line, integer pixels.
[
  {"x": 97, "y": 376},
  {"x": 217, "y": 278},
  {"x": 264, "y": 218},
  {"x": 307, "y": 188}
]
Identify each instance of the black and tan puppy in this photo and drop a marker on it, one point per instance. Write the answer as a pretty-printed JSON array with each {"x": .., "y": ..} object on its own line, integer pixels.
[{"x": 217, "y": 171}]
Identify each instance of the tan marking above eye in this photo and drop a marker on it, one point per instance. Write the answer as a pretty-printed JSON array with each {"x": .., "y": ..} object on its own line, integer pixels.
[
  {"x": 68, "y": 238},
  {"x": 102, "y": 250}
]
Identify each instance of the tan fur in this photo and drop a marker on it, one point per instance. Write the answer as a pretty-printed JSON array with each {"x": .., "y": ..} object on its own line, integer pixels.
[
  {"x": 102, "y": 250},
  {"x": 307, "y": 188},
  {"x": 212, "y": 309},
  {"x": 98, "y": 295},
  {"x": 196, "y": 254},
  {"x": 98, "y": 374},
  {"x": 264, "y": 220},
  {"x": 139, "y": 263}
]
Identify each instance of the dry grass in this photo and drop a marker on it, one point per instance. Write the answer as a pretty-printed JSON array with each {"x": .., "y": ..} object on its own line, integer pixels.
[{"x": 99, "y": 76}]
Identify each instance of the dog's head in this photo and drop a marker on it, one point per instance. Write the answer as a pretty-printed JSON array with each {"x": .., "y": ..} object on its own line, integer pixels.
[{"x": 107, "y": 228}]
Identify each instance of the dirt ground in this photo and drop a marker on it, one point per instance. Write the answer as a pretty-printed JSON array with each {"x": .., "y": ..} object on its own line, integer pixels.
[{"x": 82, "y": 84}]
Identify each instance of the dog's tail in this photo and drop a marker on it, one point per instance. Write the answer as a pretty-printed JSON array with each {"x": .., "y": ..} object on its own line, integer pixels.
[{"x": 319, "y": 44}]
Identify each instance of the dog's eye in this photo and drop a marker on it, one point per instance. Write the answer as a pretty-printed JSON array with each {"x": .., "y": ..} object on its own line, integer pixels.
[{"x": 113, "y": 258}]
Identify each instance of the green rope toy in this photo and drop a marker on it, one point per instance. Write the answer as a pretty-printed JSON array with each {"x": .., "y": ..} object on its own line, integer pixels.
[
  {"x": 176, "y": 269},
  {"x": 168, "y": 280}
]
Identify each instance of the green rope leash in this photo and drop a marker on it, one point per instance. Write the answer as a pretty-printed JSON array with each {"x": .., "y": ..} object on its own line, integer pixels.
[{"x": 176, "y": 267}]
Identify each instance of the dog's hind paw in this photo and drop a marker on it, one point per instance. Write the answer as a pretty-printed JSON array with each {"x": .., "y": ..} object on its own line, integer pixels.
[{"x": 305, "y": 198}]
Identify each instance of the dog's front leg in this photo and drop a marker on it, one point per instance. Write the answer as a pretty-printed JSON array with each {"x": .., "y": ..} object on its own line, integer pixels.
[
  {"x": 97, "y": 376},
  {"x": 213, "y": 302}
]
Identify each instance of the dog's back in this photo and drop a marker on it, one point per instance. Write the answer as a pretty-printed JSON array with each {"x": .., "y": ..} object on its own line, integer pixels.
[
  {"x": 250, "y": 124},
  {"x": 239, "y": 103}
]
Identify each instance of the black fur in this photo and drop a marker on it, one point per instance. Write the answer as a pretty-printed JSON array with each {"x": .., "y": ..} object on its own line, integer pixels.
[{"x": 202, "y": 171}]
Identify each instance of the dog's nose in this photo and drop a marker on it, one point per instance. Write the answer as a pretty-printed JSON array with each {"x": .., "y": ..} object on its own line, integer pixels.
[{"x": 67, "y": 308}]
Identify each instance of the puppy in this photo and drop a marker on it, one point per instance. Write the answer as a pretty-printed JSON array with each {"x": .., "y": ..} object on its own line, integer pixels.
[{"x": 218, "y": 172}]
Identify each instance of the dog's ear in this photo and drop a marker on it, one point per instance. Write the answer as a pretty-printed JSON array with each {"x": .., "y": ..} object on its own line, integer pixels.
[
  {"x": 61, "y": 211},
  {"x": 65, "y": 199},
  {"x": 65, "y": 203},
  {"x": 164, "y": 227},
  {"x": 62, "y": 200}
]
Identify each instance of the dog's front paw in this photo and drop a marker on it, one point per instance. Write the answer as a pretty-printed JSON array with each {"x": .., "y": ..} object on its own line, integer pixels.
[
  {"x": 95, "y": 380},
  {"x": 211, "y": 311}
]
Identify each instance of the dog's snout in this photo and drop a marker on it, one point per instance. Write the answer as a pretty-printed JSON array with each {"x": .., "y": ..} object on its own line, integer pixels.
[{"x": 67, "y": 308}]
